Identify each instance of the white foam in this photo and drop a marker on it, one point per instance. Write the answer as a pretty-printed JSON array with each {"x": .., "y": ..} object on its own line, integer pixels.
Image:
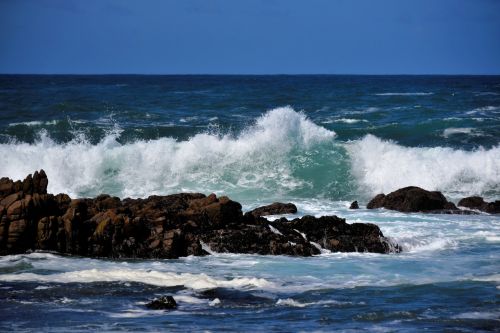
[
  {"x": 136, "y": 313},
  {"x": 479, "y": 315},
  {"x": 321, "y": 249},
  {"x": 188, "y": 119},
  {"x": 430, "y": 245},
  {"x": 350, "y": 120},
  {"x": 34, "y": 123},
  {"x": 290, "y": 302},
  {"x": 151, "y": 277},
  {"x": 384, "y": 166},
  {"x": 274, "y": 230},
  {"x": 453, "y": 130},
  {"x": 214, "y": 302},
  {"x": 484, "y": 110},
  {"x": 259, "y": 157},
  {"x": 405, "y": 94},
  {"x": 207, "y": 248},
  {"x": 293, "y": 303}
]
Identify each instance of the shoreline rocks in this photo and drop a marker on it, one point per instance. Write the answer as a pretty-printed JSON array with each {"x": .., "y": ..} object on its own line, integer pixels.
[
  {"x": 478, "y": 203},
  {"x": 414, "y": 199},
  {"x": 170, "y": 226},
  {"x": 276, "y": 208}
]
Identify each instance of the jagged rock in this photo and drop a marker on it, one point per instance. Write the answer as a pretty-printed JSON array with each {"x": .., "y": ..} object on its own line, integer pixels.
[
  {"x": 412, "y": 199},
  {"x": 276, "y": 208},
  {"x": 169, "y": 226},
  {"x": 162, "y": 303},
  {"x": 478, "y": 203},
  {"x": 354, "y": 205}
]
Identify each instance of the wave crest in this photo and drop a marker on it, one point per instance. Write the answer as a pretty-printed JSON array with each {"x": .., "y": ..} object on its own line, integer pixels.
[
  {"x": 260, "y": 158},
  {"x": 384, "y": 166}
]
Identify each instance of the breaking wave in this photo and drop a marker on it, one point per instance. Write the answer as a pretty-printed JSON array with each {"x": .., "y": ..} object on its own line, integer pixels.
[
  {"x": 283, "y": 154},
  {"x": 383, "y": 166}
]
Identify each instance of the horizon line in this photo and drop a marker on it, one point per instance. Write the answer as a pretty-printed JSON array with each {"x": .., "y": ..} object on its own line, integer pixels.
[{"x": 246, "y": 74}]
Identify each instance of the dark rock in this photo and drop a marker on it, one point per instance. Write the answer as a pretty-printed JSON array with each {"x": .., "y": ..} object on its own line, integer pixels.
[
  {"x": 169, "y": 226},
  {"x": 275, "y": 208},
  {"x": 354, "y": 205},
  {"x": 478, "y": 203},
  {"x": 162, "y": 303},
  {"x": 412, "y": 199}
]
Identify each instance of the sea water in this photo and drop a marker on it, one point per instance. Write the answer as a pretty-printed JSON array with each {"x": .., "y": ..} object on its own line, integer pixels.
[{"x": 317, "y": 141}]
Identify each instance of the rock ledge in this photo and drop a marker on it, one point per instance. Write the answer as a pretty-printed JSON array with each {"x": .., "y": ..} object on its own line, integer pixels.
[{"x": 168, "y": 226}]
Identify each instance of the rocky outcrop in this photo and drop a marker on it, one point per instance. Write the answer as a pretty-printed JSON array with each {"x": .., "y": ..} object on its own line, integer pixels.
[
  {"x": 415, "y": 199},
  {"x": 162, "y": 303},
  {"x": 411, "y": 199},
  {"x": 354, "y": 205},
  {"x": 169, "y": 226},
  {"x": 479, "y": 204},
  {"x": 276, "y": 208}
]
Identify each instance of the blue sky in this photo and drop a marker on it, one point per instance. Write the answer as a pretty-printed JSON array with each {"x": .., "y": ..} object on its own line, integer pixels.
[{"x": 250, "y": 36}]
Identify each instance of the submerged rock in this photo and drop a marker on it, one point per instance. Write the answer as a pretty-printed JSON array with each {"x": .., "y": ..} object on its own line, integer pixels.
[
  {"x": 275, "y": 208},
  {"x": 162, "y": 303},
  {"x": 478, "y": 203},
  {"x": 168, "y": 226},
  {"x": 414, "y": 199}
]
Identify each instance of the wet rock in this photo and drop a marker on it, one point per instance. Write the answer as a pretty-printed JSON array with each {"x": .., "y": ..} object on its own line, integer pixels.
[
  {"x": 412, "y": 199},
  {"x": 478, "y": 203},
  {"x": 276, "y": 208},
  {"x": 354, "y": 205},
  {"x": 169, "y": 226},
  {"x": 162, "y": 303}
]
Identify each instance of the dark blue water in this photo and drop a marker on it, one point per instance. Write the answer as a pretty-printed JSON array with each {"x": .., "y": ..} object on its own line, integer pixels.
[
  {"x": 318, "y": 141},
  {"x": 413, "y": 110}
]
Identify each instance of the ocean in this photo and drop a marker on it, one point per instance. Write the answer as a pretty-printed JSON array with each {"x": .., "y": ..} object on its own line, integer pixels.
[{"x": 317, "y": 141}]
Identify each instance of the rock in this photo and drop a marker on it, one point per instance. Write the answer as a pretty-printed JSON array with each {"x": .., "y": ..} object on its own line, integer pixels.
[
  {"x": 354, "y": 205},
  {"x": 478, "y": 203},
  {"x": 10, "y": 199},
  {"x": 276, "y": 208},
  {"x": 412, "y": 199},
  {"x": 40, "y": 182},
  {"x": 170, "y": 226},
  {"x": 6, "y": 187},
  {"x": 162, "y": 303}
]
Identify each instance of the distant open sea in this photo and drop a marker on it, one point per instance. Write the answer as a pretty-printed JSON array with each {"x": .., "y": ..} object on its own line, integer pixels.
[{"x": 317, "y": 141}]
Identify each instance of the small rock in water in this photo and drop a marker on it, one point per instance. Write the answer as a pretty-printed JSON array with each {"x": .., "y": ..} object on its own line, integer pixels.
[
  {"x": 479, "y": 204},
  {"x": 354, "y": 205},
  {"x": 412, "y": 199},
  {"x": 162, "y": 303}
]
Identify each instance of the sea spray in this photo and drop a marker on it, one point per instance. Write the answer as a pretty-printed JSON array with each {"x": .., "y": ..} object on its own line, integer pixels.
[
  {"x": 383, "y": 166},
  {"x": 283, "y": 154}
]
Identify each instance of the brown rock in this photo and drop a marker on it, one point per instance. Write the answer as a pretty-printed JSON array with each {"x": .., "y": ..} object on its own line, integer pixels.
[
  {"x": 6, "y": 186},
  {"x": 8, "y": 200},
  {"x": 276, "y": 208},
  {"x": 478, "y": 203},
  {"x": 411, "y": 199}
]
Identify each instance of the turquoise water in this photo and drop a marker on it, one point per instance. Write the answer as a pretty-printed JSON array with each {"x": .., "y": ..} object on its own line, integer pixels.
[{"x": 318, "y": 141}]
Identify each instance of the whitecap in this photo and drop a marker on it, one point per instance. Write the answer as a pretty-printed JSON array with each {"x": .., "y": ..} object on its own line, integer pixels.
[
  {"x": 207, "y": 162},
  {"x": 350, "y": 120},
  {"x": 405, "y": 94},
  {"x": 453, "y": 130},
  {"x": 382, "y": 166},
  {"x": 34, "y": 123},
  {"x": 151, "y": 277}
]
